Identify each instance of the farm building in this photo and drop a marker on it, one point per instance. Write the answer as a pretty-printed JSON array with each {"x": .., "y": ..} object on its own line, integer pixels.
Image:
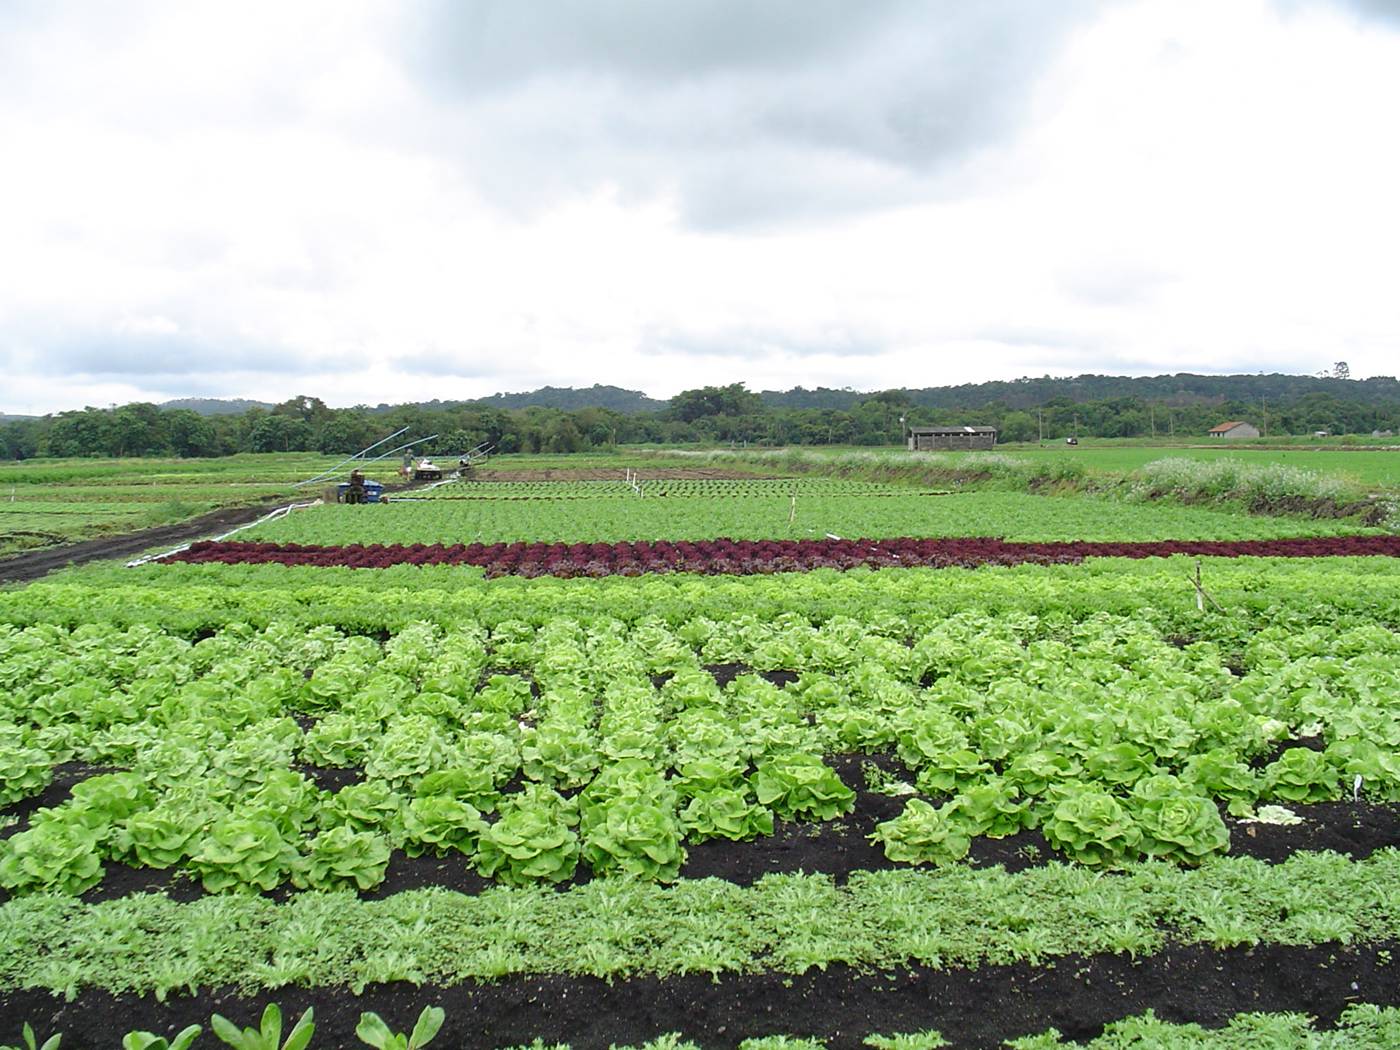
[
  {"x": 928, "y": 439},
  {"x": 1235, "y": 429}
]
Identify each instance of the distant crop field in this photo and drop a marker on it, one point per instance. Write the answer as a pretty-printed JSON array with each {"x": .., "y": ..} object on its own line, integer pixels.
[
  {"x": 1362, "y": 467},
  {"x": 44, "y": 502},
  {"x": 574, "y": 518}
]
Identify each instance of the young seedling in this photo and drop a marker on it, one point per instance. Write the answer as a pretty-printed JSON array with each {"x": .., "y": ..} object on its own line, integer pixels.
[
  {"x": 377, "y": 1034},
  {"x": 269, "y": 1035},
  {"x": 147, "y": 1041},
  {"x": 27, "y": 1033}
]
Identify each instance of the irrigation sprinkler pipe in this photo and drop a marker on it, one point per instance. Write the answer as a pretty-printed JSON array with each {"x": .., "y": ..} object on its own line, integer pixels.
[
  {"x": 357, "y": 455},
  {"x": 383, "y": 455}
]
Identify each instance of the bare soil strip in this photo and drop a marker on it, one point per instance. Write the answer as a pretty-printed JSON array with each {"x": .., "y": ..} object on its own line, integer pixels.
[{"x": 974, "y": 1009}]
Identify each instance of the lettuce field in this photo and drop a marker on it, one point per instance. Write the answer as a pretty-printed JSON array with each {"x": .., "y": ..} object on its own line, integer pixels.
[{"x": 579, "y": 765}]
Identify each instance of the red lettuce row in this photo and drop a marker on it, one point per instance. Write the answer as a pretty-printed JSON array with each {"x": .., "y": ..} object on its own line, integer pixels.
[{"x": 743, "y": 557}]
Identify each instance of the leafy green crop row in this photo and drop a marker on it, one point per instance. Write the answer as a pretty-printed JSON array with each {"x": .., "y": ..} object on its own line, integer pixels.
[
  {"x": 615, "y": 927},
  {"x": 1116, "y": 741},
  {"x": 645, "y": 487},
  {"x": 1254, "y": 593}
]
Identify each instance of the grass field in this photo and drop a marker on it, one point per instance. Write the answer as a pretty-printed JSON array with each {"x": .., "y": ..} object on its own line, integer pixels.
[
  {"x": 1361, "y": 467},
  {"x": 1359, "y": 471}
]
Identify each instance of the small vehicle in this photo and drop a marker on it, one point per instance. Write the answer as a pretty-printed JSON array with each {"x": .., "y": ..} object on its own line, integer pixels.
[
  {"x": 1071, "y": 441},
  {"x": 427, "y": 470}
]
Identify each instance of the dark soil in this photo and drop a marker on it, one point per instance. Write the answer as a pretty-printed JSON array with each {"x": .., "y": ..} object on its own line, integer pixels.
[
  {"x": 453, "y": 871},
  {"x": 973, "y": 1009},
  {"x": 332, "y": 778},
  {"x": 122, "y": 880},
  {"x": 1357, "y": 829},
  {"x": 1312, "y": 743},
  {"x": 726, "y": 673}
]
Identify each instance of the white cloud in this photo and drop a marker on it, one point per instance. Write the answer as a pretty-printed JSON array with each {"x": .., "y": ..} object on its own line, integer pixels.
[{"x": 263, "y": 200}]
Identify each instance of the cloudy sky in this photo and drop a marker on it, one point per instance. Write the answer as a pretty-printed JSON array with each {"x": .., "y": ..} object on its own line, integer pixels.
[{"x": 387, "y": 201}]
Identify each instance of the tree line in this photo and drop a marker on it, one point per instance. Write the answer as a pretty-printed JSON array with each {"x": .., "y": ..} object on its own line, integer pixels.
[{"x": 706, "y": 415}]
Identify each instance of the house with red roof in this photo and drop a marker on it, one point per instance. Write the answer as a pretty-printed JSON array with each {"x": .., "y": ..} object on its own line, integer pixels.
[{"x": 1234, "y": 429}]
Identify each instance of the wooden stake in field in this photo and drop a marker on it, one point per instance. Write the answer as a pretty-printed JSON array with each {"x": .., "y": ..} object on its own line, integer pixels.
[{"x": 1201, "y": 596}]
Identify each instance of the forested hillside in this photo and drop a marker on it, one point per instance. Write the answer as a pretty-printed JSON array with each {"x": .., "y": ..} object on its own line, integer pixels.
[{"x": 1181, "y": 407}]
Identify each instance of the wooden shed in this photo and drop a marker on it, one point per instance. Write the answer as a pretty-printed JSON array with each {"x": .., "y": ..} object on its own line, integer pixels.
[{"x": 953, "y": 439}]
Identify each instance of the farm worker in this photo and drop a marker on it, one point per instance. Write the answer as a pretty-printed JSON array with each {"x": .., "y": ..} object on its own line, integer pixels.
[{"x": 356, "y": 492}]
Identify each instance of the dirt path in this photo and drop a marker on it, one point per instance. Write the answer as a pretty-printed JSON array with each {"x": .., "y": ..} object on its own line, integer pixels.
[{"x": 33, "y": 564}]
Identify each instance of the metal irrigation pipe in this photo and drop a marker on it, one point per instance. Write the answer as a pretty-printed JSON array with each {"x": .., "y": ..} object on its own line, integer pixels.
[
  {"x": 382, "y": 455},
  {"x": 357, "y": 455}
]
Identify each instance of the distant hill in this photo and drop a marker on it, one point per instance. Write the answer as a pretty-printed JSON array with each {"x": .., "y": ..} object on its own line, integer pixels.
[
  {"x": 214, "y": 406},
  {"x": 1181, "y": 389},
  {"x": 14, "y": 419},
  {"x": 629, "y": 402}
]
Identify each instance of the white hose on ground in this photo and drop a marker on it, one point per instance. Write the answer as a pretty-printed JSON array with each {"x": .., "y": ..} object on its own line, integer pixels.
[{"x": 279, "y": 512}]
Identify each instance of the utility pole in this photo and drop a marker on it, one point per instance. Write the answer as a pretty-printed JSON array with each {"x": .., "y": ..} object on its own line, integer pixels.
[
  {"x": 1265, "y": 402},
  {"x": 1040, "y": 421},
  {"x": 1152, "y": 417}
]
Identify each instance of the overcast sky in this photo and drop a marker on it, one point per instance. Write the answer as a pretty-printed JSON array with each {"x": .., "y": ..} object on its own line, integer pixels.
[{"x": 396, "y": 201}]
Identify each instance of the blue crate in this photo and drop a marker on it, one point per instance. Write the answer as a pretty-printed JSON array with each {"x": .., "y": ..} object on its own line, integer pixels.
[{"x": 373, "y": 490}]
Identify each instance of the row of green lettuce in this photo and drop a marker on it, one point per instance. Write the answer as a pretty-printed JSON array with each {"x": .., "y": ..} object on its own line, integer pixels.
[
  {"x": 1362, "y": 1026},
  {"x": 1249, "y": 592},
  {"x": 1016, "y": 516},
  {"x": 952, "y": 917},
  {"x": 528, "y": 750}
]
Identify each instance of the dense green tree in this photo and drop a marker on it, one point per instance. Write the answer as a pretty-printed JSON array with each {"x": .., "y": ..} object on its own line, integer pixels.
[
  {"x": 732, "y": 400},
  {"x": 188, "y": 433},
  {"x": 731, "y": 414},
  {"x": 346, "y": 432},
  {"x": 275, "y": 433}
]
